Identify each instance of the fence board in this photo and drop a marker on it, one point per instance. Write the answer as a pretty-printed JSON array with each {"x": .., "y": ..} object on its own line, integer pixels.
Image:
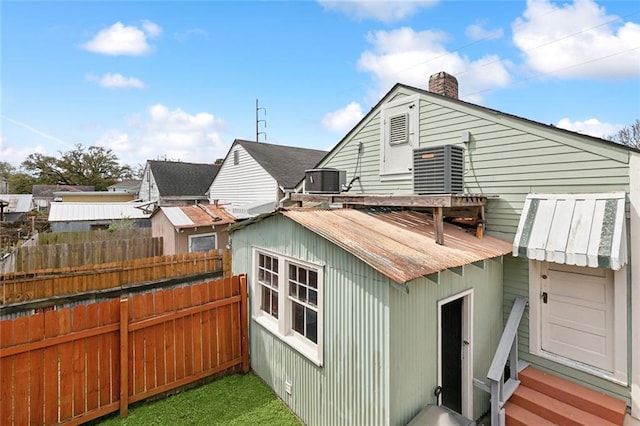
[
  {"x": 47, "y": 283},
  {"x": 64, "y": 365}
]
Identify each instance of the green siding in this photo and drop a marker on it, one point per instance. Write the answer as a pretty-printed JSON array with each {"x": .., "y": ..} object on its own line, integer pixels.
[
  {"x": 414, "y": 336},
  {"x": 509, "y": 158},
  {"x": 352, "y": 386}
]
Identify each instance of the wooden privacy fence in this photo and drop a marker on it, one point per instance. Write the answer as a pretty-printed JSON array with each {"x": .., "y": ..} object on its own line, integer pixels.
[
  {"x": 47, "y": 284},
  {"x": 75, "y": 364},
  {"x": 69, "y": 255}
]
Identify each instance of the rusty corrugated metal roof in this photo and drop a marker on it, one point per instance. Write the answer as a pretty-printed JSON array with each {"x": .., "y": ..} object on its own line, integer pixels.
[
  {"x": 198, "y": 215},
  {"x": 398, "y": 244}
]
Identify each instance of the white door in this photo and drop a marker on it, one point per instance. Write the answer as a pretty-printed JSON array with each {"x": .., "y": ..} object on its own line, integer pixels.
[{"x": 577, "y": 316}]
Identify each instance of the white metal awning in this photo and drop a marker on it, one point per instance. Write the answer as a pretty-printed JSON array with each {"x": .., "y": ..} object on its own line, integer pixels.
[{"x": 574, "y": 229}]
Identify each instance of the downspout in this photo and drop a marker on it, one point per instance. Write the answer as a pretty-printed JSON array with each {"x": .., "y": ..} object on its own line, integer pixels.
[{"x": 287, "y": 196}]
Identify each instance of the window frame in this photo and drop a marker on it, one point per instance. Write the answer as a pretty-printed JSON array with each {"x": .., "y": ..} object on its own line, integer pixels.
[
  {"x": 282, "y": 327},
  {"x": 196, "y": 236}
]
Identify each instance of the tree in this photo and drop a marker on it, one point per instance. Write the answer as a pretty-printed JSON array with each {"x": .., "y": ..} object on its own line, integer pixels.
[
  {"x": 629, "y": 136},
  {"x": 96, "y": 166}
]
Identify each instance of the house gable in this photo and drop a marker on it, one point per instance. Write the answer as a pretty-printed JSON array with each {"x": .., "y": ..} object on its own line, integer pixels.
[{"x": 242, "y": 180}]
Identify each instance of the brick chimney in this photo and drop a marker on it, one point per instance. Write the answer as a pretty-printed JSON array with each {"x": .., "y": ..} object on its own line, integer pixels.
[{"x": 444, "y": 84}]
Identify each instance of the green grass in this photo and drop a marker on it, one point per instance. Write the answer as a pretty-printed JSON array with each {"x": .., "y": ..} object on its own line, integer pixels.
[{"x": 231, "y": 400}]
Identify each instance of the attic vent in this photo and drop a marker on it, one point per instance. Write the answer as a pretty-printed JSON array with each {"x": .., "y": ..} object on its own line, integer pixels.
[
  {"x": 399, "y": 129},
  {"x": 438, "y": 170}
]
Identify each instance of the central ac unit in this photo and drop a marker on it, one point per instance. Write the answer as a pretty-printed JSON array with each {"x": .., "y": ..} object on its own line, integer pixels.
[{"x": 438, "y": 170}]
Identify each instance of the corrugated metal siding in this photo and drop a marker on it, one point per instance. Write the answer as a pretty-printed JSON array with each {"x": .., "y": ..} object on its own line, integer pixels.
[
  {"x": 510, "y": 159},
  {"x": 414, "y": 336},
  {"x": 242, "y": 183},
  {"x": 352, "y": 387},
  {"x": 148, "y": 186}
]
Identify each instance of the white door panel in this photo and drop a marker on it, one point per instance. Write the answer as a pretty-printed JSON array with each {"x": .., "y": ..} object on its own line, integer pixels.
[{"x": 577, "y": 315}]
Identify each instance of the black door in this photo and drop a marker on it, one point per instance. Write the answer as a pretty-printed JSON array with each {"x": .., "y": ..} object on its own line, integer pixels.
[{"x": 451, "y": 333}]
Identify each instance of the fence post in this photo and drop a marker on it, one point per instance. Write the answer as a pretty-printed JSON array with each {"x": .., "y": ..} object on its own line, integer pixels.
[
  {"x": 226, "y": 263},
  {"x": 244, "y": 323},
  {"x": 124, "y": 357}
]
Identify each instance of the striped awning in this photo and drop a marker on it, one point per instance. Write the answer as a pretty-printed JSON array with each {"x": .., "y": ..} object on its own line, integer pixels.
[{"x": 574, "y": 229}]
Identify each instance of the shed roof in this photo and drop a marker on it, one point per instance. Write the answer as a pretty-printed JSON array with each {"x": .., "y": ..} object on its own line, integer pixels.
[
  {"x": 286, "y": 164},
  {"x": 175, "y": 178},
  {"x": 399, "y": 244},
  {"x": 197, "y": 215},
  {"x": 574, "y": 229},
  {"x": 76, "y": 212},
  {"x": 16, "y": 203}
]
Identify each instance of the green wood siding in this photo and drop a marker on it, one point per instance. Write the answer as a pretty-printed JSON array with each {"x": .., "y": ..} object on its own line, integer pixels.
[{"x": 506, "y": 157}]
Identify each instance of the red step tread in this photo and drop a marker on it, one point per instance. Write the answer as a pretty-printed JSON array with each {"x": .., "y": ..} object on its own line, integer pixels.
[
  {"x": 555, "y": 410},
  {"x": 519, "y": 416},
  {"x": 597, "y": 403}
]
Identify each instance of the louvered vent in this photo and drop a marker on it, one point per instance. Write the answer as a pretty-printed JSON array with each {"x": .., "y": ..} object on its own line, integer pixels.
[
  {"x": 399, "y": 129},
  {"x": 438, "y": 170}
]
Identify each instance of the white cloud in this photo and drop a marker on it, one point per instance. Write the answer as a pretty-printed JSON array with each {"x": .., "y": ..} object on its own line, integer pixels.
[
  {"x": 478, "y": 32},
  {"x": 591, "y": 127},
  {"x": 120, "y": 39},
  {"x": 380, "y": 10},
  {"x": 116, "y": 81},
  {"x": 407, "y": 56},
  {"x": 344, "y": 119},
  {"x": 173, "y": 134},
  {"x": 16, "y": 155},
  {"x": 577, "y": 39}
]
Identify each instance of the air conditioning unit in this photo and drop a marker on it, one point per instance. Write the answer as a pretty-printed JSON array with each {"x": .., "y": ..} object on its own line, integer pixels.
[
  {"x": 438, "y": 170},
  {"x": 325, "y": 181}
]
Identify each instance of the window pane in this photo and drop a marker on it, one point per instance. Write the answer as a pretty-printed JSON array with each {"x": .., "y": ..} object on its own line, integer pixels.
[
  {"x": 274, "y": 304},
  {"x": 274, "y": 281},
  {"x": 313, "y": 279},
  {"x": 298, "y": 318},
  {"x": 267, "y": 262},
  {"x": 261, "y": 260},
  {"x": 265, "y": 303},
  {"x": 302, "y": 293},
  {"x": 292, "y": 289},
  {"x": 302, "y": 276},
  {"x": 292, "y": 272},
  {"x": 313, "y": 298},
  {"x": 260, "y": 274},
  {"x": 204, "y": 243},
  {"x": 312, "y": 325},
  {"x": 274, "y": 265}
]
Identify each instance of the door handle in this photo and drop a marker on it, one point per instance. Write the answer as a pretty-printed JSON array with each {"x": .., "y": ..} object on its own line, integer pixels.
[{"x": 544, "y": 297}]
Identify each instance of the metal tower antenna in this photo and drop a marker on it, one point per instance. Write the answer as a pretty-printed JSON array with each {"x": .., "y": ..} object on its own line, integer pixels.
[{"x": 258, "y": 121}]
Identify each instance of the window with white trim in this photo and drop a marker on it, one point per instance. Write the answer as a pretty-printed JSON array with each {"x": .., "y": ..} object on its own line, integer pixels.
[
  {"x": 288, "y": 301},
  {"x": 202, "y": 242}
]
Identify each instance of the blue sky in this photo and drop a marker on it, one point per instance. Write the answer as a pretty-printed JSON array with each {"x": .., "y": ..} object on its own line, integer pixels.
[{"x": 179, "y": 80}]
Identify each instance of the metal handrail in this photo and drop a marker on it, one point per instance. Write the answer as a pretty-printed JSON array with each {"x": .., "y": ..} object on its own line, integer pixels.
[{"x": 507, "y": 349}]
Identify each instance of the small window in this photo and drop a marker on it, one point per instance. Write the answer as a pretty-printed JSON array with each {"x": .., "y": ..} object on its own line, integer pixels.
[
  {"x": 268, "y": 280},
  {"x": 236, "y": 158},
  {"x": 399, "y": 129},
  {"x": 203, "y": 242}
]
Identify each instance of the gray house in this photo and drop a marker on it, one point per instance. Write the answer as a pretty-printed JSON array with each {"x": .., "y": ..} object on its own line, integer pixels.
[
  {"x": 567, "y": 298},
  {"x": 255, "y": 177},
  {"x": 171, "y": 183}
]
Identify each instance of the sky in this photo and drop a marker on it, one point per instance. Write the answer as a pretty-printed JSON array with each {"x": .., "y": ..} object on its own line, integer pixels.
[{"x": 179, "y": 80}]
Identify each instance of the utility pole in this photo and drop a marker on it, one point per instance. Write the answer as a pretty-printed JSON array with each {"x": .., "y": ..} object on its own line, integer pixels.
[{"x": 258, "y": 121}]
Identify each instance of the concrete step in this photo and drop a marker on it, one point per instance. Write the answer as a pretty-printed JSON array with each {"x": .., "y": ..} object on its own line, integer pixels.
[
  {"x": 519, "y": 416},
  {"x": 603, "y": 406},
  {"x": 554, "y": 410}
]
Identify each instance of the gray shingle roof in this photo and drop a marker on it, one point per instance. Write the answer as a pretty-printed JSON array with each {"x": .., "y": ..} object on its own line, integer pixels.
[
  {"x": 285, "y": 163},
  {"x": 183, "y": 179}
]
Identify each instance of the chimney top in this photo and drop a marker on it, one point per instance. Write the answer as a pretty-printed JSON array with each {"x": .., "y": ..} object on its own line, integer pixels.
[{"x": 444, "y": 84}]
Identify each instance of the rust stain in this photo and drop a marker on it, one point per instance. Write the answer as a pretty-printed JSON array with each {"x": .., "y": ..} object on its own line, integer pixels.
[{"x": 398, "y": 244}]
